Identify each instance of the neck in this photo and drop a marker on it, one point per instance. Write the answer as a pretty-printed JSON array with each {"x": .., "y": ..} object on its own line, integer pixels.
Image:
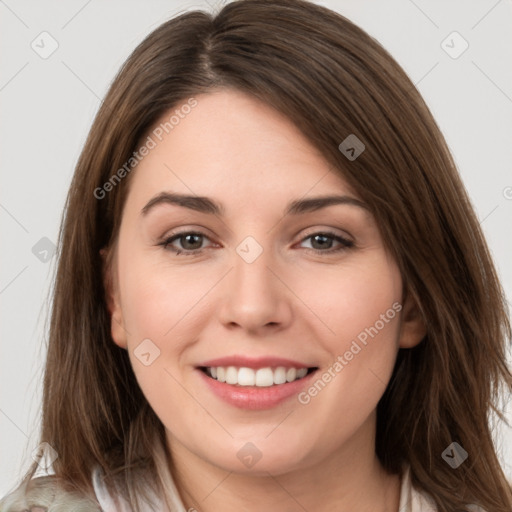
[{"x": 350, "y": 478}]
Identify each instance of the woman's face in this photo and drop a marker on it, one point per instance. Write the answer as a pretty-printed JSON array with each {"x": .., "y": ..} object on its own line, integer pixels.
[{"x": 273, "y": 283}]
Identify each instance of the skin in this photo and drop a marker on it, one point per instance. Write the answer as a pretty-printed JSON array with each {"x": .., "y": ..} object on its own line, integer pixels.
[{"x": 290, "y": 302}]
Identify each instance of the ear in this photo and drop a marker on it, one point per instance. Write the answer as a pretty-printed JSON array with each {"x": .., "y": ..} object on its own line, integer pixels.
[
  {"x": 413, "y": 327},
  {"x": 111, "y": 285}
]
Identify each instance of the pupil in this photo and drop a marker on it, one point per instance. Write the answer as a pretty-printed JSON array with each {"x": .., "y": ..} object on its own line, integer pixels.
[
  {"x": 189, "y": 236},
  {"x": 325, "y": 238}
]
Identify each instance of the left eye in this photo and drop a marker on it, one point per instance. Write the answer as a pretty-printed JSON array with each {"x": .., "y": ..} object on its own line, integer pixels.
[
  {"x": 191, "y": 242},
  {"x": 321, "y": 238}
]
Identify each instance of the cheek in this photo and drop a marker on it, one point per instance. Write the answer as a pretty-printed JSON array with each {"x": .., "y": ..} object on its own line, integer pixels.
[
  {"x": 351, "y": 298},
  {"x": 163, "y": 305},
  {"x": 361, "y": 307},
  {"x": 155, "y": 304},
  {"x": 158, "y": 301}
]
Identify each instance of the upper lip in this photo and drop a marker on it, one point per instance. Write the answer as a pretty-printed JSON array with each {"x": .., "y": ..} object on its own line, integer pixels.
[{"x": 254, "y": 362}]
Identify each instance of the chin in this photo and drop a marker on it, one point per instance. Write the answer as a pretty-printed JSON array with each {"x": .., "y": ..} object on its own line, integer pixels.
[{"x": 259, "y": 459}]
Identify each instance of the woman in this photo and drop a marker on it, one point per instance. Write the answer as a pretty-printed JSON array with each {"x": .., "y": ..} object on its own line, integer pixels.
[{"x": 334, "y": 338}]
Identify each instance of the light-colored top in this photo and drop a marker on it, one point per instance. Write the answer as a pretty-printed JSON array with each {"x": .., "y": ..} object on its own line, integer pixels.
[{"x": 411, "y": 500}]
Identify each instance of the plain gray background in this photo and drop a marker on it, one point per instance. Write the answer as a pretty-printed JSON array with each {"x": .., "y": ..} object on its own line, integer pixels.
[{"x": 47, "y": 106}]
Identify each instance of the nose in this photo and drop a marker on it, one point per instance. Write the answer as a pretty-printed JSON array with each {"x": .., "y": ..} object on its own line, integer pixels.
[{"x": 255, "y": 296}]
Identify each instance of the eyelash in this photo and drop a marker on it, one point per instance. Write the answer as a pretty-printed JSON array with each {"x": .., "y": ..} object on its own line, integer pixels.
[{"x": 345, "y": 244}]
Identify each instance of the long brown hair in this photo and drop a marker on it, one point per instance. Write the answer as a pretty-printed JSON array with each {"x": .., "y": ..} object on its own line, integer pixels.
[{"x": 331, "y": 79}]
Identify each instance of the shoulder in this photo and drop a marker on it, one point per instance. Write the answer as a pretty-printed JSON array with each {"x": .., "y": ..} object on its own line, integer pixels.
[{"x": 43, "y": 493}]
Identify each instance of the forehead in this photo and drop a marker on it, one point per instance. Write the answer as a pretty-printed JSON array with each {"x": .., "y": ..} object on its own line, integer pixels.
[{"x": 232, "y": 145}]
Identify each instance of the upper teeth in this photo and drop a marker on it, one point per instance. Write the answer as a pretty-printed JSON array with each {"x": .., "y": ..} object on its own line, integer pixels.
[{"x": 261, "y": 377}]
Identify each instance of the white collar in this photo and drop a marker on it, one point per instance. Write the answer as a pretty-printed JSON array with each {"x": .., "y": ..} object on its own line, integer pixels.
[
  {"x": 412, "y": 500},
  {"x": 108, "y": 503}
]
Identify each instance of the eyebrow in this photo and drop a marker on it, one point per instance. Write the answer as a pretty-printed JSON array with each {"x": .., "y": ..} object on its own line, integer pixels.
[{"x": 209, "y": 206}]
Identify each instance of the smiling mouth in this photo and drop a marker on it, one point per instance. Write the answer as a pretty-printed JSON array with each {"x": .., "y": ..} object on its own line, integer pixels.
[{"x": 250, "y": 377}]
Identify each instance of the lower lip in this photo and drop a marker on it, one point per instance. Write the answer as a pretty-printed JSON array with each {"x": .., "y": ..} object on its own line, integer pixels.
[{"x": 253, "y": 397}]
